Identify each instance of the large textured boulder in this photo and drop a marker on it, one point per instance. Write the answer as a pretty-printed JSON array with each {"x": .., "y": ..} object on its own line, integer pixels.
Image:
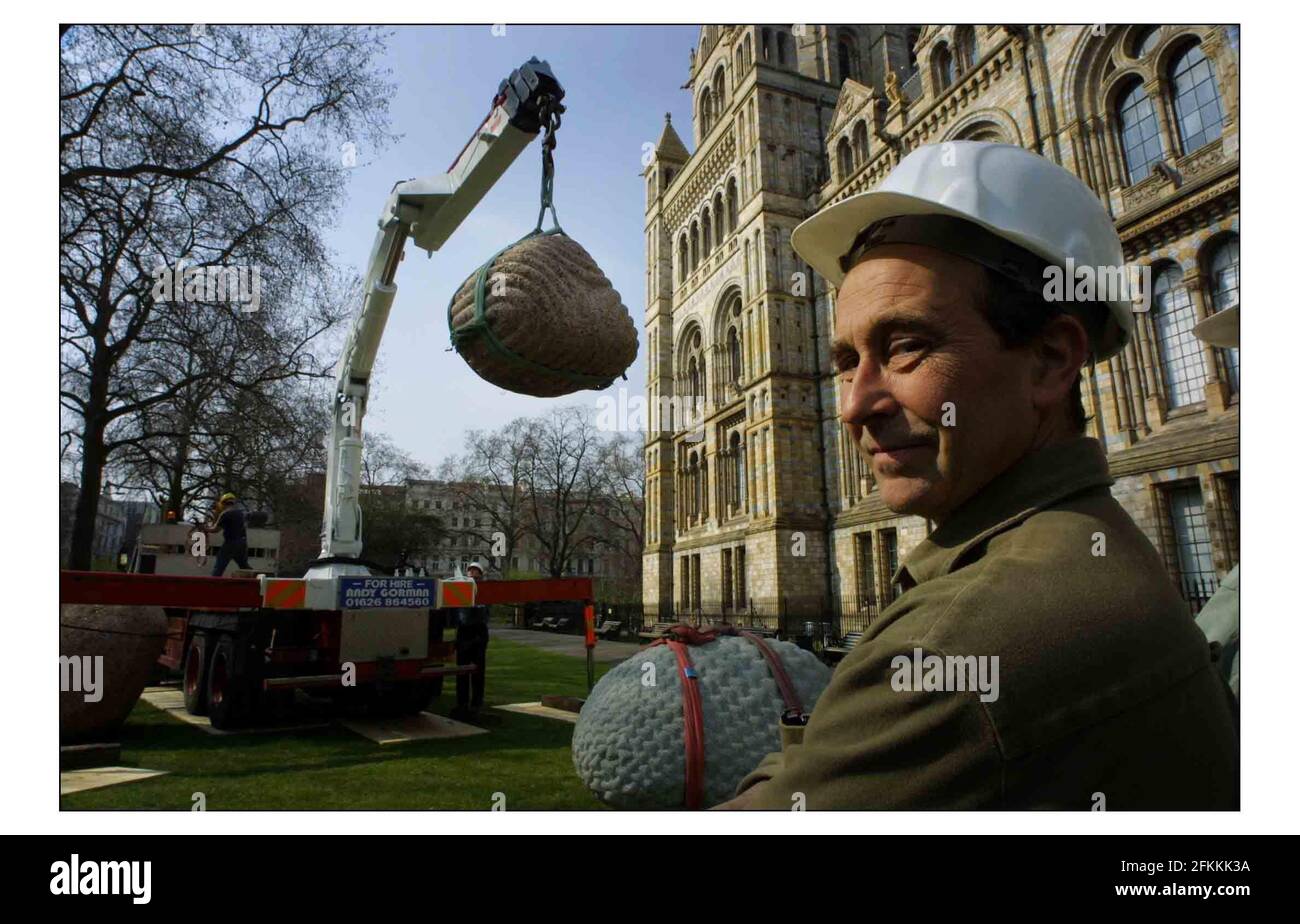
[
  {"x": 541, "y": 319},
  {"x": 629, "y": 742},
  {"x": 129, "y": 640}
]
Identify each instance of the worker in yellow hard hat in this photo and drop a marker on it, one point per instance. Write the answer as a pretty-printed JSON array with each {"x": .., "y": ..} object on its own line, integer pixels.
[{"x": 228, "y": 517}]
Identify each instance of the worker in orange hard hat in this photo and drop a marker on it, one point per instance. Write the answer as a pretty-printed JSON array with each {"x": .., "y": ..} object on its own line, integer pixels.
[{"x": 228, "y": 517}]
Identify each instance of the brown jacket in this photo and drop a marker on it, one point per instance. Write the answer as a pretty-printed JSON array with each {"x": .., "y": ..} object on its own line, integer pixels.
[{"x": 1105, "y": 693}]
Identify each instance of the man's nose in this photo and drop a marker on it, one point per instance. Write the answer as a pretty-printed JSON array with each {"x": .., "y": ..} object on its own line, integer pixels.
[{"x": 866, "y": 397}]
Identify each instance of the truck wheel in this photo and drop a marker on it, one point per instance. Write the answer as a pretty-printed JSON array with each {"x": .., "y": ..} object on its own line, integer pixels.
[
  {"x": 420, "y": 695},
  {"x": 403, "y": 699},
  {"x": 194, "y": 674},
  {"x": 227, "y": 686}
]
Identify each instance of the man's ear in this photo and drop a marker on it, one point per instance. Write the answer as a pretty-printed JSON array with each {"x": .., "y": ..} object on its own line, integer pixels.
[{"x": 1060, "y": 351}]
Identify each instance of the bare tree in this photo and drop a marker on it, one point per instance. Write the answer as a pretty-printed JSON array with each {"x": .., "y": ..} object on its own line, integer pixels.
[
  {"x": 620, "y": 507},
  {"x": 217, "y": 147},
  {"x": 395, "y": 533},
  {"x": 563, "y": 486},
  {"x": 489, "y": 480}
]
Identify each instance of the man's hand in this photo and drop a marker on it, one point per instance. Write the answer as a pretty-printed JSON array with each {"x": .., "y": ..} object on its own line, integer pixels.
[{"x": 746, "y": 800}]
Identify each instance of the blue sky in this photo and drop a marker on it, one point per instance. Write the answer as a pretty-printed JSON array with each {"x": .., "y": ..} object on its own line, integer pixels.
[{"x": 619, "y": 81}]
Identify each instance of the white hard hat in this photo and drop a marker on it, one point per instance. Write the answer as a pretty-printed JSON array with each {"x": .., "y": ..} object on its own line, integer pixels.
[
  {"x": 1018, "y": 196},
  {"x": 476, "y": 564}
]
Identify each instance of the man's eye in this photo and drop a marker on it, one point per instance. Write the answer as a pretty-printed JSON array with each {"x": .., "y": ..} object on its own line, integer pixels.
[{"x": 904, "y": 346}]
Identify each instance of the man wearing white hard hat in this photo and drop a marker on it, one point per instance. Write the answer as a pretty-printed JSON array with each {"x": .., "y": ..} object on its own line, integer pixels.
[
  {"x": 1039, "y": 655},
  {"x": 471, "y": 648}
]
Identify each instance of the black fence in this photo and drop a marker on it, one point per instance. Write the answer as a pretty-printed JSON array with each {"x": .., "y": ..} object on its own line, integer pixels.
[
  {"x": 811, "y": 621},
  {"x": 1197, "y": 590},
  {"x": 566, "y": 617}
]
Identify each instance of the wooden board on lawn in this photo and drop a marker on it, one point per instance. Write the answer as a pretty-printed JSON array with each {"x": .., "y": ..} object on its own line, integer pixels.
[
  {"x": 401, "y": 729},
  {"x": 71, "y": 781},
  {"x": 537, "y": 709}
]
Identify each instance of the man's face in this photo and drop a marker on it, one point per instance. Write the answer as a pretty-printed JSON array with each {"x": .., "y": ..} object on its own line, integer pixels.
[{"x": 933, "y": 400}]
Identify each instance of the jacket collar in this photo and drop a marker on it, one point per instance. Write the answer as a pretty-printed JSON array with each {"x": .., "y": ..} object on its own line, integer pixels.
[{"x": 1039, "y": 480}]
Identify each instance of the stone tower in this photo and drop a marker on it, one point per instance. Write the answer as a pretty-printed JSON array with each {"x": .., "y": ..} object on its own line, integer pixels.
[{"x": 736, "y": 502}]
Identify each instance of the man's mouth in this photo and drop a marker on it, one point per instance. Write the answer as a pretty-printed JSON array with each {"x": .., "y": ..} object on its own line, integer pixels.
[{"x": 896, "y": 448}]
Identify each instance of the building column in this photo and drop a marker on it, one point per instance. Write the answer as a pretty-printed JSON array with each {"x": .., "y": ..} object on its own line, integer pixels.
[
  {"x": 1216, "y": 47},
  {"x": 1160, "y": 102},
  {"x": 1216, "y": 392}
]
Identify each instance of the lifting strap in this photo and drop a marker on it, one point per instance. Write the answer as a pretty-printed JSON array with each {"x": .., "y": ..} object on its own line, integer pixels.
[
  {"x": 478, "y": 326},
  {"x": 783, "y": 683},
  {"x": 679, "y": 639},
  {"x": 693, "y": 721}
]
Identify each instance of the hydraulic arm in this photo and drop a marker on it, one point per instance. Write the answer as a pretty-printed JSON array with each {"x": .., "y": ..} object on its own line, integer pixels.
[{"x": 426, "y": 210}]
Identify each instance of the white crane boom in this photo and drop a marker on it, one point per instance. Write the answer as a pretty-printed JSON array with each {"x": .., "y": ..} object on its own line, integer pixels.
[{"x": 426, "y": 210}]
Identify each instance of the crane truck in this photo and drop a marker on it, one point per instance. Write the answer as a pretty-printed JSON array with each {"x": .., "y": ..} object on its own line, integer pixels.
[{"x": 243, "y": 643}]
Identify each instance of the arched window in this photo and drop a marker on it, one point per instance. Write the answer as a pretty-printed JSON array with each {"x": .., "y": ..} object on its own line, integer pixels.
[
  {"x": 766, "y": 48},
  {"x": 944, "y": 71},
  {"x": 683, "y": 260},
  {"x": 727, "y": 327},
  {"x": 706, "y": 111},
  {"x": 844, "y": 157},
  {"x": 967, "y": 49},
  {"x": 720, "y": 89},
  {"x": 1225, "y": 283},
  {"x": 981, "y": 131},
  {"x": 783, "y": 48},
  {"x": 749, "y": 52},
  {"x": 1182, "y": 359},
  {"x": 719, "y": 219},
  {"x": 913, "y": 36},
  {"x": 695, "y": 245},
  {"x": 737, "y": 452},
  {"x": 707, "y": 224},
  {"x": 740, "y": 61},
  {"x": 846, "y": 49},
  {"x": 1139, "y": 132},
  {"x": 1145, "y": 41},
  {"x": 860, "y": 143},
  {"x": 696, "y": 379},
  {"x": 733, "y": 206},
  {"x": 1197, "y": 106}
]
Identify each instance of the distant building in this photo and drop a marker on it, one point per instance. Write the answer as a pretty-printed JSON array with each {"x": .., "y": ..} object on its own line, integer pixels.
[
  {"x": 470, "y": 535},
  {"x": 117, "y": 524}
]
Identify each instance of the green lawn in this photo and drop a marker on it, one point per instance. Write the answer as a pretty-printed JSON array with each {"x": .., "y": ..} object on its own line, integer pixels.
[{"x": 525, "y": 758}]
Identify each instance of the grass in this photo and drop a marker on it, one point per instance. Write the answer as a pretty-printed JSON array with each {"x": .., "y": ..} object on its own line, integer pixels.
[{"x": 524, "y": 757}]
